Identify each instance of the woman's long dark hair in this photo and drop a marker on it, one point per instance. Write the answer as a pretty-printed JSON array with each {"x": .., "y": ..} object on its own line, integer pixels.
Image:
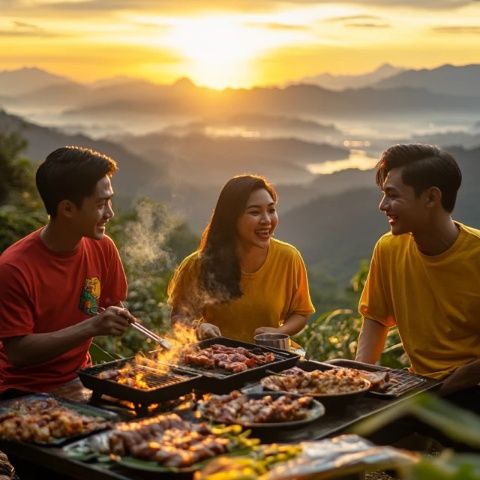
[{"x": 219, "y": 265}]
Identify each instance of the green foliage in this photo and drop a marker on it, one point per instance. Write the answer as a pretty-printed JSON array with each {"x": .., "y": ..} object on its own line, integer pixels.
[
  {"x": 334, "y": 334},
  {"x": 20, "y": 207},
  {"x": 460, "y": 425},
  {"x": 331, "y": 335},
  {"x": 448, "y": 466}
]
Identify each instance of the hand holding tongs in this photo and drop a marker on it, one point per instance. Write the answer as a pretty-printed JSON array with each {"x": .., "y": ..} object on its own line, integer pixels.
[{"x": 165, "y": 344}]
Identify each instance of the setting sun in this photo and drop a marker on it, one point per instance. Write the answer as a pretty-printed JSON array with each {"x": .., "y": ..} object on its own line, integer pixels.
[{"x": 219, "y": 51}]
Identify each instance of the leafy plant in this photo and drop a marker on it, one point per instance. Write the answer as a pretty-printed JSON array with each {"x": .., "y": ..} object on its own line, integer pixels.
[
  {"x": 460, "y": 425},
  {"x": 334, "y": 334},
  {"x": 21, "y": 211}
]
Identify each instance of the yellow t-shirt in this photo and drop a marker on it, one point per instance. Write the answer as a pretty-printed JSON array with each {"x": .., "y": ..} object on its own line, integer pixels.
[
  {"x": 434, "y": 300},
  {"x": 277, "y": 290}
]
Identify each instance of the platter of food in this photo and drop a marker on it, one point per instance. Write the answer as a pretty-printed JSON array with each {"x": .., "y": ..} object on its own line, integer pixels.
[
  {"x": 325, "y": 385},
  {"x": 261, "y": 410},
  {"x": 164, "y": 443},
  {"x": 44, "y": 420}
]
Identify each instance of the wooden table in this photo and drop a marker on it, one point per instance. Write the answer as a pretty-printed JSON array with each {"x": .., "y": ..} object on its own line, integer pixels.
[{"x": 335, "y": 421}]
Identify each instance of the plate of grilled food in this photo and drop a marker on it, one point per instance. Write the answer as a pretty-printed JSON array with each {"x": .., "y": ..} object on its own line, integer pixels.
[
  {"x": 261, "y": 410},
  {"x": 333, "y": 384},
  {"x": 163, "y": 443},
  {"x": 44, "y": 420},
  {"x": 386, "y": 382}
]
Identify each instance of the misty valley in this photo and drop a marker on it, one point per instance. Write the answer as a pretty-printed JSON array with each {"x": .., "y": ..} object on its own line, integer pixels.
[{"x": 318, "y": 144}]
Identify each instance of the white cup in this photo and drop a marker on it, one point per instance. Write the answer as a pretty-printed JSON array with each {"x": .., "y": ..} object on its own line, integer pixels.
[{"x": 274, "y": 340}]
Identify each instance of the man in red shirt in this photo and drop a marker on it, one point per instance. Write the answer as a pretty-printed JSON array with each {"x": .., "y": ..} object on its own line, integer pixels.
[{"x": 54, "y": 281}]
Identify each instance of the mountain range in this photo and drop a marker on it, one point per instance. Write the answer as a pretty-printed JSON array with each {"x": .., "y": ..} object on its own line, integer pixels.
[
  {"x": 179, "y": 143},
  {"x": 134, "y": 175},
  {"x": 342, "y": 82},
  {"x": 448, "y": 79},
  {"x": 443, "y": 89}
]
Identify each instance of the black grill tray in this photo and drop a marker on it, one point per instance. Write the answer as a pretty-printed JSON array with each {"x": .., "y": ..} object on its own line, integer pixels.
[
  {"x": 100, "y": 386},
  {"x": 406, "y": 381},
  {"x": 222, "y": 381}
]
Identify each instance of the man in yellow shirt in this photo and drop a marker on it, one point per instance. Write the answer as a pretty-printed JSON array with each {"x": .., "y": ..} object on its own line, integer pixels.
[{"x": 424, "y": 274}]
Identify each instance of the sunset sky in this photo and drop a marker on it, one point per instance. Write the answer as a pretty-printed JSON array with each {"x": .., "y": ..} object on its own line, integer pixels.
[{"x": 235, "y": 43}]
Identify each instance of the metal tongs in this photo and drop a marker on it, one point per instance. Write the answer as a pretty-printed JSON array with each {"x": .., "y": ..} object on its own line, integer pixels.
[{"x": 165, "y": 344}]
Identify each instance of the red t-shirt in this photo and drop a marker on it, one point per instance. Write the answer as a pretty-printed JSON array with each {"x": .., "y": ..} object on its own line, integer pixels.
[{"x": 41, "y": 291}]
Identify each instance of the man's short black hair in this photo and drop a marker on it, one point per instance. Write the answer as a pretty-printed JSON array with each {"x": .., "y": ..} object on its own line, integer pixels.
[
  {"x": 423, "y": 166},
  {"x": 71, "y": 173}
]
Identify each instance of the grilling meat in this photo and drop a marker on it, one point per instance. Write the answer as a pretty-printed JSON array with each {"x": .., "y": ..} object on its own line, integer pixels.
[
  {"x": 43, "y": 421},
  {"x": 239, "y": 408},
  {"x": 232, "y": 359},
  {"x": 129, "y": 376},
  {"x": 381, "y": 381},
  {"x": 329, "y": 382},
  {"x": 167, "y": 439}
]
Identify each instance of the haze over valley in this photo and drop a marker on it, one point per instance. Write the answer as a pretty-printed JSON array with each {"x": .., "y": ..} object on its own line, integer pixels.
[{"x": 179, "y": 143}]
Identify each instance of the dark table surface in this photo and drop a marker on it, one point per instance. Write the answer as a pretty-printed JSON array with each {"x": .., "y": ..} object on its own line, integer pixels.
[{"x": 336, "y": 420}]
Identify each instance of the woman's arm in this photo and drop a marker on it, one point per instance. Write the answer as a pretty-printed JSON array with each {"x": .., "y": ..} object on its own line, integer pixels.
[{"x": 292, "y": 325}]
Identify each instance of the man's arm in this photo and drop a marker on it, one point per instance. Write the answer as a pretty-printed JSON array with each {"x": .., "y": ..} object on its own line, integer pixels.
[
  {"x": 371, "y": 341},
  {"x": 464, "y": 377},
  {"x": 40, "y": 347}
]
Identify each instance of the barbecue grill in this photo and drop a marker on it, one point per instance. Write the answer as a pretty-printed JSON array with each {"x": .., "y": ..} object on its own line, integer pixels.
[
  {"x": 217, "y": 380},
  {"x": 163, "y": 386}
]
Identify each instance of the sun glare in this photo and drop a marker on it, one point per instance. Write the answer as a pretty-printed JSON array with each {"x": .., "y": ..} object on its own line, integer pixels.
[{"x": 218, "y": 51}]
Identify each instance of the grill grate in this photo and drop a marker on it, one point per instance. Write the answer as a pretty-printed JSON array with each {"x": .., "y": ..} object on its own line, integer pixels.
[
  {"x": 162, "y": 386},
  {"x": 405, "y": 382},
  {"x": 152, "y": 378}
]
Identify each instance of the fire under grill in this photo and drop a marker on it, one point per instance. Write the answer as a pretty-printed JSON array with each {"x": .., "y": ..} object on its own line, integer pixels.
[{"x": 152, "y": 386}]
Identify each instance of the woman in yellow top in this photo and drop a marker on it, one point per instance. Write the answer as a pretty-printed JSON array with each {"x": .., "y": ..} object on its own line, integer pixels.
[{"x": 241, "y": 281}]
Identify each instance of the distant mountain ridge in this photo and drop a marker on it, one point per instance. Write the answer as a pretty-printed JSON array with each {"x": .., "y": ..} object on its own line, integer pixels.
[
  {"x": 444, "y": 89},
  {"x": 343, "y": 82},
  {"x": 134, "y": 175},
  {"x": 28, "y": 79},
  {"x": 463, "y": 81}
]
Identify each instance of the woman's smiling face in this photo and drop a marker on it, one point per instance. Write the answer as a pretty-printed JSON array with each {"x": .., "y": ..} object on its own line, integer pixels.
[{"x": 256, "y": 224}]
